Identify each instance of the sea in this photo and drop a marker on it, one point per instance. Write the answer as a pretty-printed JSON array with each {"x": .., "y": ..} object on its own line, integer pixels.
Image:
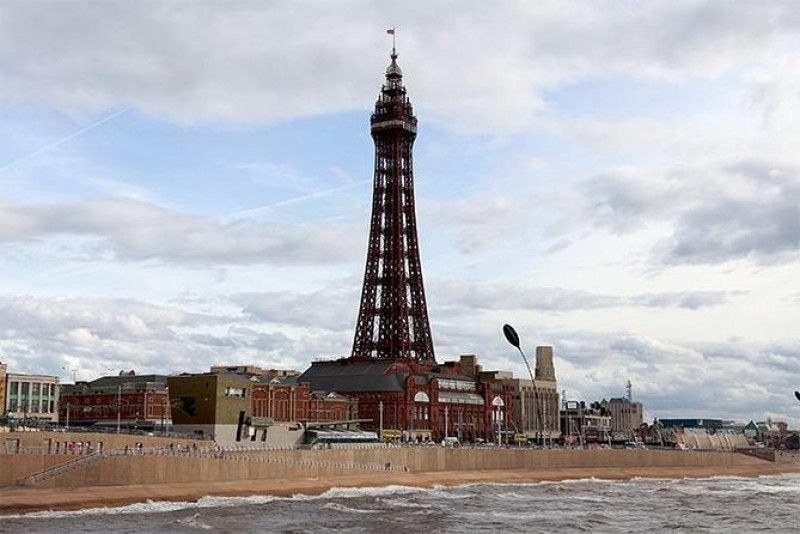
[{"x": 718, "y": 504}]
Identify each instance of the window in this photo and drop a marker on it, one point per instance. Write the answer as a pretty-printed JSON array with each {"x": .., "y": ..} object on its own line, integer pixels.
[
  {"x": 188, "y": 405},
  {"x": 235, "y": 392}
]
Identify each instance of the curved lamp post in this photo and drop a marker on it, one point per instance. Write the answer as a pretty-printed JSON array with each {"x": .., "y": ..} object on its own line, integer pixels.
[{"x": 513, "y": 339}]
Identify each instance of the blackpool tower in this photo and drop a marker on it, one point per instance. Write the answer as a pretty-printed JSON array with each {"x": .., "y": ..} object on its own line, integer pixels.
[
  {"x": 393, "y": 316},
  {"x": 402, "y": 393}
]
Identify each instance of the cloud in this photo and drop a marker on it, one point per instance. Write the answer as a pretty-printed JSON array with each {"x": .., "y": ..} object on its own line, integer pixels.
[
  {"x": 331, "y": 309},
  {"x": 83, "y": 321},
  {"x": 263, "y": 62},
  {"x": 42, "y": 335},
  {"x": 488, "y": 296},
  {"x": 137, "y": 231},
  {"x": 745, "y": 211}
]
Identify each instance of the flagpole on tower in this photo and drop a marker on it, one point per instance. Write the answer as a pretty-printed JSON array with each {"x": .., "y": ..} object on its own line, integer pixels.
[{"x": 390, "y": 31}]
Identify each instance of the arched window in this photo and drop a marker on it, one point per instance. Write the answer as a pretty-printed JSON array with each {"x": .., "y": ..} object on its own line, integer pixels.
[{"x": 421, "y": 396}]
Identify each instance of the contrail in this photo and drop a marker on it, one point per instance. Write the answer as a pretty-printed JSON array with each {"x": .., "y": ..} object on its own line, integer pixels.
[
  {"x": 255, "y": 211},
  {"x": 62, "y": 141}
]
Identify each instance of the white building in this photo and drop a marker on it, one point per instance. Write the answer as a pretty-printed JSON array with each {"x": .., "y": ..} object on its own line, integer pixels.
[{"x": 31, "y": 397}]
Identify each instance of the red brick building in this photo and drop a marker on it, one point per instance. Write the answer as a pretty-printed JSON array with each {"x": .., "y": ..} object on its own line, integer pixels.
[
  {"x": 410, "y": 401},
  {"x": 133, "y": 401},
  {"x": 287, "y": 399}
]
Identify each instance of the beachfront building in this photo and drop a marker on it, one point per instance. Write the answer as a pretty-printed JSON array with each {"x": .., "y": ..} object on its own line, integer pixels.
[
  {"x": 583, "y": 424},
  {"x": 245, "y": 403},
  {"x": 704, "y": 423},
  {"x": 211, "y": 405},
  {"x": 31, "y": 399},
  {"x": 125, "y": 401},
  {"x": 402, "y": 400},
  {"x": 535, "y": 412},
  {"x": 282, "y": 405},
  {"x": 626, "y": 417}
]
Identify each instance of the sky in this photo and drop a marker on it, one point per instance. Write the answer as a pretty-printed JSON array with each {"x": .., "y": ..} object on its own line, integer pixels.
[{"x": 184, "y": 184}]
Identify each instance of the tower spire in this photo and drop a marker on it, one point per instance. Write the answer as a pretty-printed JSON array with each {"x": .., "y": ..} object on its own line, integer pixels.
[
  {"x": 391, "y": 31},
  {"x": 393, "y": 316}
]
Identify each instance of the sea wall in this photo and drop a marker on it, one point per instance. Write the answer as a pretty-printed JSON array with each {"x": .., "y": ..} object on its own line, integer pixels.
[{"x": 165, "y": 467}]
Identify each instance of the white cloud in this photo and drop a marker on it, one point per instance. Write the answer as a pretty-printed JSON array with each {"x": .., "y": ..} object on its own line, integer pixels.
[
  {"x": 483, "y": 69},
  {"x": 488, "y": 296},
  {"x": 138, "y": 231},
  {"x": 746, "y": 211}
]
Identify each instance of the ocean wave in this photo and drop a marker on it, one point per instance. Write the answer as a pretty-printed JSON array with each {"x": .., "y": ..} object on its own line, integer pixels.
[
  {"x": 402, "y": 503},
  {"x": 339, "y": 507},
  {"x": 373, "y": 491},
  {"x": 192, "y": 521},
  {"x": 150, "y": 507}
]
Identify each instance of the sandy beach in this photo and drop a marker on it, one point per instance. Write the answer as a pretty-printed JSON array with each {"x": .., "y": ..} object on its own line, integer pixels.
[{"x": 20, "y": 500}]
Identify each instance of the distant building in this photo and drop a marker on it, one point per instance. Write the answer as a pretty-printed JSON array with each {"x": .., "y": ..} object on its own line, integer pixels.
[
  {"x": 626, "y": 416},
  {"x": 710, "y": 425},
  {"x": 751, "y": 430},
  {"x": 129, "y": 400},
  {"x": 582, "y": 424},
  {"x": 774, "y": 434},
  {"x": 32, "y": 398},
  {"x": 535, "y": 411}
]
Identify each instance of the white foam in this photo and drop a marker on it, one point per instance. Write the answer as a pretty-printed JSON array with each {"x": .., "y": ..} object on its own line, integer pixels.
[
  {"x": 192, "y": 521},
  {"x": 151, "y": 507},
  {"x": 342, "y": 508},
  {"x": 401, "y": 503},
  {"x": 378, "y": 491}
]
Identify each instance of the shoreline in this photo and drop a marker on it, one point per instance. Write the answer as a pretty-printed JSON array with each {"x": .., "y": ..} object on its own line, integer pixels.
[{"x": 17, "y": 500}]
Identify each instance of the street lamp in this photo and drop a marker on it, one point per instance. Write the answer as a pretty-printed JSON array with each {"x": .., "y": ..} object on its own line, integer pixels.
[
  {"x": 380, "y": 428},
  {"x": 513, "y": 339},
  {"x": 73, "y": 370},
  {"x": 119, "y": 405}
]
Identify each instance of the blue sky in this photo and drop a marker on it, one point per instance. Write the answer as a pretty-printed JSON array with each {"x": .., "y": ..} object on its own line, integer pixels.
[{"x": 185, "y": 184}]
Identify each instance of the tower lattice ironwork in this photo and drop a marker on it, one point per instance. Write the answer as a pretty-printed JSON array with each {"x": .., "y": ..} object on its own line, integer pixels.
[{"x": 393, "y": 316}]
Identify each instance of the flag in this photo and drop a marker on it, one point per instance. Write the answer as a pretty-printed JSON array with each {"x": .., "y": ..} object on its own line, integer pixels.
[{"x": 390, "y": 31}]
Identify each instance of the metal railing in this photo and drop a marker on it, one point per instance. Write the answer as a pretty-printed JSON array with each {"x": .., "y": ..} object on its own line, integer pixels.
[{"x": 65, "y": 467}]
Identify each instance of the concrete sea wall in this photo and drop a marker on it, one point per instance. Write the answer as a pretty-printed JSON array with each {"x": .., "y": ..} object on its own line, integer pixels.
[{"x": 165, "y": 467}]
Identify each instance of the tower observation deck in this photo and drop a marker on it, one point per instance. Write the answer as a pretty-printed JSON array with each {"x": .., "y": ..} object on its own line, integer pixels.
[{"x": 393, "y": 315}]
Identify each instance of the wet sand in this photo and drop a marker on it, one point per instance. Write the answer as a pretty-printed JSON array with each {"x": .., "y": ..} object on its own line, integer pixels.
[{"x": 17, "y": 499}]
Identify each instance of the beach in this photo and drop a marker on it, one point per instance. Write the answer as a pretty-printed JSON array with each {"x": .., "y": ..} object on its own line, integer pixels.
[{"x": 20, "y": 500}]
